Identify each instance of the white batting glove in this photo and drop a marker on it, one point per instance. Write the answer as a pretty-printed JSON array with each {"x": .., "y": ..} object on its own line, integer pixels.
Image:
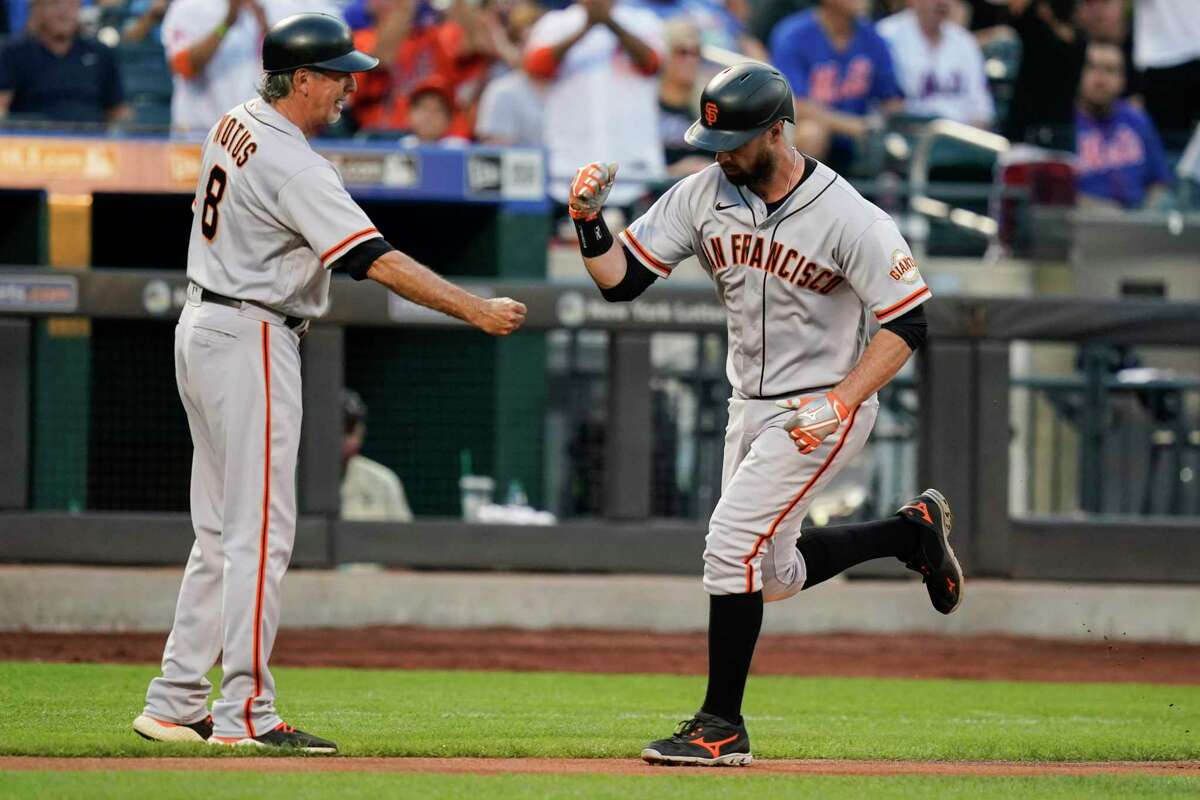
[
  {"x": 590, "y": 189},
  {"x": 816, "y": 417}
]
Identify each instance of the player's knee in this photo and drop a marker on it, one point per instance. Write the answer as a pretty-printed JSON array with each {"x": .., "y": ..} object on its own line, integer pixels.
[
  {"x": 723, "y": 576},
  {"x": 775, "y": 590},
  {"x": 781, "y": 580},
  {"x": 726, "y": 552}
]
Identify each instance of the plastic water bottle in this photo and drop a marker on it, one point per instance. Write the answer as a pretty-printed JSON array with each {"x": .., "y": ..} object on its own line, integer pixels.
[{"x": 516, "y": 494}]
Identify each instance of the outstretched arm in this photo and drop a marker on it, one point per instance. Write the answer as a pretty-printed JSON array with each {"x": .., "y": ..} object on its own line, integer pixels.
[{"x": 412, "y": 280}]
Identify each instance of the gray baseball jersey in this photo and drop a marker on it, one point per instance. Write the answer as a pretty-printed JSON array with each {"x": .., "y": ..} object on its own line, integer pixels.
[
  {"x": 270, "y": 217},
  {"x": 271, "y": 214},
  {"x": 800, "y": 285}
]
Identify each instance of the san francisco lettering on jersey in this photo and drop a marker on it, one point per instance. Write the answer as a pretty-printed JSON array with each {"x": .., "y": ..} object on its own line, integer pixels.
[
  {"x": 774, "y": 258},
  {"x": 233, "y": 135}
]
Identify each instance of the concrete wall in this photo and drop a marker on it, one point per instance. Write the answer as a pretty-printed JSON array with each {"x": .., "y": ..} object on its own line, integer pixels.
[{"x": 122, "y": 599}]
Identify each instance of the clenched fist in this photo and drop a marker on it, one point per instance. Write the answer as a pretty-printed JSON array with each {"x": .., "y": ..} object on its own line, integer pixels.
[
  {"x": 816, "y": 417},
  {"x": 590, "y": 189},
  {"x": 500, "y": 316}
]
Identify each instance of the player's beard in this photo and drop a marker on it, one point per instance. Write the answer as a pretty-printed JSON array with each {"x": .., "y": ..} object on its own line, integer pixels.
[{"x": 758, "y": 174}]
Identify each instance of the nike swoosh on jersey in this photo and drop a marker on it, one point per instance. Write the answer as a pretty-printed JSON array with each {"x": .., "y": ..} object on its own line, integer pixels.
[{"x": 720, "y": 207}]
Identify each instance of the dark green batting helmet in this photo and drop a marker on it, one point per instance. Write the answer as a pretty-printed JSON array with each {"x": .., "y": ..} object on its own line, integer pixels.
[
  {"x": 739, "y": 103},
  {"x": 313, "y": 40}
]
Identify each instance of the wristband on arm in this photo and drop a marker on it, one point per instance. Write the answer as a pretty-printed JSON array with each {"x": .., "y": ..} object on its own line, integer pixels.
[{"x": 594, "y": 237}]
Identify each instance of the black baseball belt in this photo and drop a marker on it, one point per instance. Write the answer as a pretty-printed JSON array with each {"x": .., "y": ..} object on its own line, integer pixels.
[{"x": 209, "y": 296}]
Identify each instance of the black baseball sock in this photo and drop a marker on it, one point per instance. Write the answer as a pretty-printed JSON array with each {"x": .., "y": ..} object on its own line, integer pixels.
[
  {"x": 828, "y": 551},
  {"x": 733, "y": 624}
]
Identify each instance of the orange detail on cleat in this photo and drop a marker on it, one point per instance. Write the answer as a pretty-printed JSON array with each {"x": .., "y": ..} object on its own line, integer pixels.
[
  {"x": 924, "y": 509},
  {"x": 712, "y": 747},
  {"x": 951, "y": 584}
]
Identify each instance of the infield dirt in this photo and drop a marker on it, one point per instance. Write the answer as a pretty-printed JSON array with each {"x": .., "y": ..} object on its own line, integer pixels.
[{"x": 843, "y": 655}]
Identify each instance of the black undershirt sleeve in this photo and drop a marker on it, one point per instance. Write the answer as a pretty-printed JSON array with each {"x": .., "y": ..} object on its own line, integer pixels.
[
  {"x": 637, "y": 279},
  {"x": 911, "y": 327},
  {"x": 359, "y": 259}
]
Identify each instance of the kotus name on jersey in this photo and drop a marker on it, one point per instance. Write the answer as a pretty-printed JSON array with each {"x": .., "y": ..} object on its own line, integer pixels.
[
  {"x": 231, "y": 134},
  {"x": 774, "y": 258}
]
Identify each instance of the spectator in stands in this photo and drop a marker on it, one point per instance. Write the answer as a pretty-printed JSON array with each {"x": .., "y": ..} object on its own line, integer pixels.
[
  {"x": 1052, "y": 51},
  {"x": 214, "y": 48},
  {"x": 678, "y": 98},
  {"x": 431, "y": 112},
  {"x": 841, "y": 73},
  {"x": 414, "y": 42},
  {"x": 53, "y": 73},
  {"x": 512, "y": 105},
  {"x": 601, "y": 61},
  {"x": 1120, "y": 158},
  {"x": 1108, "y": 21},
  {"x": 718, "y": 22},
  {"x": 369, "y": 491},
  {"x": 1166, "y": 47},
  {"x": 938, "y": 64}
]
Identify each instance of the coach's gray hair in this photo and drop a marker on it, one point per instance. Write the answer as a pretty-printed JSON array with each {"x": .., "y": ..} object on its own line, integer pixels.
[{"x": 275, "y": 86}]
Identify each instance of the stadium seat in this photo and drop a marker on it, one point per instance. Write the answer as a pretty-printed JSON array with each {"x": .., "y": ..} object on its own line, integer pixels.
[{"x": 147, "y": 82}]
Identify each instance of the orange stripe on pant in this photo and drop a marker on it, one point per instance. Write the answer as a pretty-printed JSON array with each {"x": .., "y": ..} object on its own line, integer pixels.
[
  {"x": 764, "y": 537},
  {"x": 262, "y": 537}
]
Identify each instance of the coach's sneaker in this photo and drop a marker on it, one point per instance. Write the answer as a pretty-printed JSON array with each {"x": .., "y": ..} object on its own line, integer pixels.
[
  {"x": 156, "y": 730},
  {"x": 704, "y": 740},
  {"x": 283, "y": 736},
  {"x": 934, "y": 557}
]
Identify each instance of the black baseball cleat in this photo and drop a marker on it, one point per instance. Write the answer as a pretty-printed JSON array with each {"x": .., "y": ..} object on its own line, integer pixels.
[
  {"x": 704, "y": 741},
  {"x": 283, "y": 736},
  {"x": 934, "y": 557},
  {"x": 157, "y": 730}
]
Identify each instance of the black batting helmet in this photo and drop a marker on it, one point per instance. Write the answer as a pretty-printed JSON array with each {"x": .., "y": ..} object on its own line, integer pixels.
[
  {"x": 313, "y": 40},
  {"x": 739, "y": 103}
]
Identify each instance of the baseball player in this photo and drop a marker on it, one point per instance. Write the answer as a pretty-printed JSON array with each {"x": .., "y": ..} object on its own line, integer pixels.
[
  {"x": 271, "y": 219},
  {"x": 805, "y": 268}
]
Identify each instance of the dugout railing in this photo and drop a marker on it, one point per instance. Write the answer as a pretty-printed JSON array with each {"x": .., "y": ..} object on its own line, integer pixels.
[{"x": 963, "y": 424}]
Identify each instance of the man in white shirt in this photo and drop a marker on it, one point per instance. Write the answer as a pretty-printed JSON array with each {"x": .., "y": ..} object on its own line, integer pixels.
[
  {"x": 938, "y": 64},
  {"x": 214, "y": 48},
  {"x": 602, "y": 101},
  {"x": 1166, "y": 44}
]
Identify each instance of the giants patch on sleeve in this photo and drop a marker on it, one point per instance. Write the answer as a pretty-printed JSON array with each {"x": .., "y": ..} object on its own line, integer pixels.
[{"x": 904, "y": 268}]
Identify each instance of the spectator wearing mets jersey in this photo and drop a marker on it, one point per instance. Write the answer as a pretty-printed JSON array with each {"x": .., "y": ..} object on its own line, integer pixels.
[
  {"x": 841, "y": 72},
  {"x": 1120, "y": 156},
  {"x": 602, "y": 99},
  {"x": 938, "y": 64}
]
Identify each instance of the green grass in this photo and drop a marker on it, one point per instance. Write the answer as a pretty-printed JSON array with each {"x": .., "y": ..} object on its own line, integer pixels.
[
  {"x": 86, "y": 709},
  {"x": 743, "y": 786}
]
